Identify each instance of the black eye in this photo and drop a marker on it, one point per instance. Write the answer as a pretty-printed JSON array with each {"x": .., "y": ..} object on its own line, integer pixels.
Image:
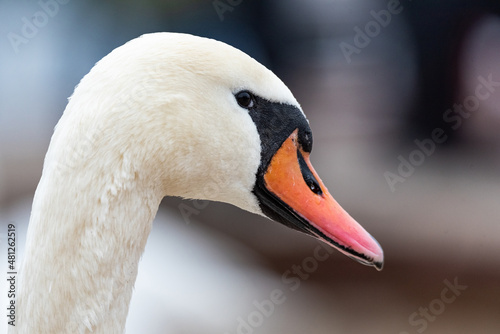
[{"x": 245, "y": 99}]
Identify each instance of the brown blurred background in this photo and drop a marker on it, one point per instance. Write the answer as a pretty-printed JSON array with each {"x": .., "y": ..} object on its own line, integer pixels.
[{"x": 373, "y": 78}]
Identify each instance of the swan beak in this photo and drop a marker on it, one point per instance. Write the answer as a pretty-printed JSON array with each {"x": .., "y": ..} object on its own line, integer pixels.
[{"x": 296, "y": 193}]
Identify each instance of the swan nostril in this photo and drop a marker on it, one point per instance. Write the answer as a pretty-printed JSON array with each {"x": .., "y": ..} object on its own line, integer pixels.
[
  {"x": 315, "y": 188},
  {"x": 308, "y": 176}
]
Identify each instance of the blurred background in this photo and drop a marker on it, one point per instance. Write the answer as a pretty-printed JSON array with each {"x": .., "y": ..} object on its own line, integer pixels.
[{"x": 377, "y": 79}]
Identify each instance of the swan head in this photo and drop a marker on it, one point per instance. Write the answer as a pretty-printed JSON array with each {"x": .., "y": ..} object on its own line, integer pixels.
[{"x": 193, "y": 117}]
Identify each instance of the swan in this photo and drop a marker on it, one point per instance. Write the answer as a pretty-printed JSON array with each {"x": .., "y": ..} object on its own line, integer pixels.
[{"x": 166, "y": 114}]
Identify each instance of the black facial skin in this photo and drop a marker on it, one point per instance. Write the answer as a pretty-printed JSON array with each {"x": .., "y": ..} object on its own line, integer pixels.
[{"x": 275, "y": 122}]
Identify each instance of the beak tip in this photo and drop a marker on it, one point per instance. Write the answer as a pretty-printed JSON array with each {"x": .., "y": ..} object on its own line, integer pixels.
[
  {"x": 378, "y": 261},
  {"x": 378, "y": 258}
]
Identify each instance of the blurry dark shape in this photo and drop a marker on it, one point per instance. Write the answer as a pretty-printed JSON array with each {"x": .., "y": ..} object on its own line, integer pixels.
[
  {"x": 439, "y": 29},
  {"x": 172, "y": 7},
  {"x": 480, "y": 56}
]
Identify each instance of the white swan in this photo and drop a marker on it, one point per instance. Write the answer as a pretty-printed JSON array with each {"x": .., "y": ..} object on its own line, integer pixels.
[{"x": 164, "y": 114}]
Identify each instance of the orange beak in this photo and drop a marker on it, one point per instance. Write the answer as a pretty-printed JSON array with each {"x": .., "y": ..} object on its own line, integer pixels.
[{"x": 292, "y": 180}]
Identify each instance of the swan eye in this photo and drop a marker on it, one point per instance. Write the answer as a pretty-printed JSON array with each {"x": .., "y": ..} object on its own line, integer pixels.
[{"x": 245, "y": 99}]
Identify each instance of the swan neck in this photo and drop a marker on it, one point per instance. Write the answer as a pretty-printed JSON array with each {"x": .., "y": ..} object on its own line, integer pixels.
[{"x": 84, "y": 243}]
